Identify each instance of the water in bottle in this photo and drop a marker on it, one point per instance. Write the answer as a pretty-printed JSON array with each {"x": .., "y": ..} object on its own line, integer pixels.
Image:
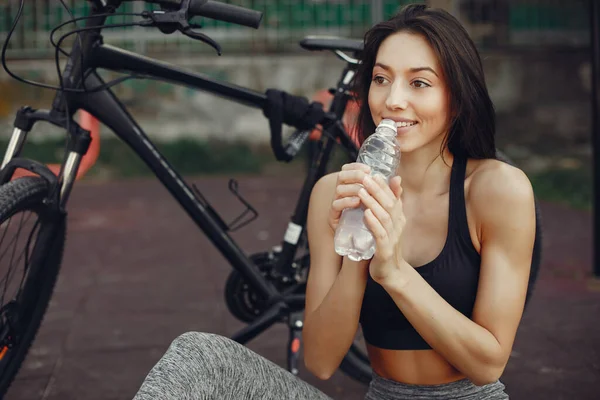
[{"x": 381, "y": 152}]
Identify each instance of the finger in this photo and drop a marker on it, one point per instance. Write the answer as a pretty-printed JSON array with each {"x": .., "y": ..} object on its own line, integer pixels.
[
  {"x": 380, "y": 234},
  {"x": 384, "y": 185},
  {"x": 377, "y": 210},
  {"x": 356, "y": 166},
  {"x": 396, "y": 186},
  {"x": 347, "y": 190},
  {"x": 351, "y": 176},
  {"x": 347, "y": 202},
  {"x": 381, "y": 192}
]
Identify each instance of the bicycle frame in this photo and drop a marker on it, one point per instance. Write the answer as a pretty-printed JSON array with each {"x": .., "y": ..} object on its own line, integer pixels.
[{"x": 107, "y": 108}]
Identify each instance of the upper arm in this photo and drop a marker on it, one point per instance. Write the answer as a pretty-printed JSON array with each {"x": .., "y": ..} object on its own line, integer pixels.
[
  {"x": 325, "y": 263},
  {"x": 503, "y": 202}
]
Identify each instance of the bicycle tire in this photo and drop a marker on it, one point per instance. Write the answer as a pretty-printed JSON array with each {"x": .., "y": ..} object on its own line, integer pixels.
[
  {"x": 356, "y": 364},
  {"x": 28, "y": 194}
]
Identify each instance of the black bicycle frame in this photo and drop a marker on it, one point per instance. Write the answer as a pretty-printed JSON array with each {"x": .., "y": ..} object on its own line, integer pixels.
[
  {"x": 317, "y": 169},
  {"x": 106, "y": 107}
]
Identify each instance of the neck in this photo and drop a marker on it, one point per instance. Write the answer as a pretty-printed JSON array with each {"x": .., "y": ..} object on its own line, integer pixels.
[{"x": 424, "y": 171}]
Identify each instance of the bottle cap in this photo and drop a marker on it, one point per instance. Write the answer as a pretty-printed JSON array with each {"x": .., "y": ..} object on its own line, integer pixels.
[{"x": 388, "y": 123}]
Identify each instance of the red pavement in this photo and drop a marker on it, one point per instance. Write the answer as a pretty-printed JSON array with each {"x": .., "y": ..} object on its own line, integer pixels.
[{"x": 137, "y": 273}]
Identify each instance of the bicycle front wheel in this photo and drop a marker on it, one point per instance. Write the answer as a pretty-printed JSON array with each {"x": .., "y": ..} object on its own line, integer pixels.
[{"x": 32, "y": 237}]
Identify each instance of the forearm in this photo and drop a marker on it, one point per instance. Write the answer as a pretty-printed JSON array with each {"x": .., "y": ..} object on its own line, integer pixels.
[
  {"x": 329, "y": 330},
  {"x": 469, "y": 347}
]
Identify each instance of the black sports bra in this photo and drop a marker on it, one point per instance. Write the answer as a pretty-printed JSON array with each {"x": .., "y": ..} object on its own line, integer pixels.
[{"x": 454, "y": 274}]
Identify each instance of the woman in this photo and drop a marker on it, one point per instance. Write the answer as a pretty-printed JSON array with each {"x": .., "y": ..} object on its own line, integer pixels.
[{"x": 440, "y": 301}]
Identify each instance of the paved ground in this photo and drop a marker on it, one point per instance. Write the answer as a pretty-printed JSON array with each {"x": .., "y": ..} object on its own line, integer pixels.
[{"x": 137, "y": 273}]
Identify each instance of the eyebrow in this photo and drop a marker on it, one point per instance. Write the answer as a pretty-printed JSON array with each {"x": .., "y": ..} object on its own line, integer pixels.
[{"x": 413, "y": 70}]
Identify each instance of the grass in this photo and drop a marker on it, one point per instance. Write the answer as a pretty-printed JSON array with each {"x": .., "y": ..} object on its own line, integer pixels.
[
  {"x": 570, "y": 186},
  {"x": 188, "y": 157}
]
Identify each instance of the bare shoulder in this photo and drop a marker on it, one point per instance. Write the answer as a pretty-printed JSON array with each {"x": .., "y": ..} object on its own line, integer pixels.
[
  {"x": 499, "y": 187},
  {"x": 320, "y": 200},
  {"x": 325, "y": 187}
]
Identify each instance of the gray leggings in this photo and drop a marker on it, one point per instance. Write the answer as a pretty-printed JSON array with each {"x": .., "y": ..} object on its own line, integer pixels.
[{"x": 207, "y": 366}]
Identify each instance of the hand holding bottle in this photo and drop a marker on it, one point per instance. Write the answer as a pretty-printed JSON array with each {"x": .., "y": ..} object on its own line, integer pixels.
[
  {"x": 381, "y": 152},
  {"x": 349, "y": 182},
  {"x": 384, "y": 216}
]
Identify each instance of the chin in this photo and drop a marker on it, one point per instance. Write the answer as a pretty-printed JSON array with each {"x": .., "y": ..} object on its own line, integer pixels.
[
  {"x": 412, "y": 143},
  {"x": 406, "y": 146},
  {"x": 407, "y": 150}
]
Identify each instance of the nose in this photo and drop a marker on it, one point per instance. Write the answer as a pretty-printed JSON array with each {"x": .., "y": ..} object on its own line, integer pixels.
[{"x": 397, "y": 98}]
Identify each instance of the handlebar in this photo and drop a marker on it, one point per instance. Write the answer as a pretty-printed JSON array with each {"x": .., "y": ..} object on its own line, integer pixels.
[
  {"x": 226, "y": 12},
  {"x": 284, "y": 108},
  {"x": 216, "y": 10}
]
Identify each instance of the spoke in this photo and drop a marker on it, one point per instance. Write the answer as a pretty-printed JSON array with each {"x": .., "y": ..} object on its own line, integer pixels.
[
  {"x": 10, "y": 264},
  {"x": 3, "y": 254},
  {"x": 10, "y": 271},
  {"x": 5, "y": 230},
  {"x": 16, "y": 258},
  {"x": 26, "y": 253}
]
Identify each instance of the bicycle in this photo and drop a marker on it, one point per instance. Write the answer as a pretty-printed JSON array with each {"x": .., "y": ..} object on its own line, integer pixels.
[{"x": 264, "y": 288}]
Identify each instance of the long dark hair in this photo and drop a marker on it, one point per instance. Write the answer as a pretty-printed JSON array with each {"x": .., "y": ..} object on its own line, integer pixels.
[{"x": 473, "y": 121}]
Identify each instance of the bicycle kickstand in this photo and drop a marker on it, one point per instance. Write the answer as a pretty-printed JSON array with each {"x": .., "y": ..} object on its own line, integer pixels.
[{"x": 295, "y": 323}]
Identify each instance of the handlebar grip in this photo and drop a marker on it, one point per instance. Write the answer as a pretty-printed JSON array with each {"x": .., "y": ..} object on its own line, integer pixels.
[
  {"x": 226, "y": 12},
  {"x": 295, "y": 142}
]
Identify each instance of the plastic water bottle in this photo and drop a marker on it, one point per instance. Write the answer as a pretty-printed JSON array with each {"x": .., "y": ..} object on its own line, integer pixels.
[{"x": 381, "y": 152}]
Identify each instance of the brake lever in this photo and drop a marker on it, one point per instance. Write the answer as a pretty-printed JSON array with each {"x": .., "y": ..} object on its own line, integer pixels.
[
  {"x": 188, "y": 31},
  {"x": 171, "y": 21}
]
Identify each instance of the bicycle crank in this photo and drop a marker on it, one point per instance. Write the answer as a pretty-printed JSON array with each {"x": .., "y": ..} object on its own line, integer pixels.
[{"x": 241, "y": 299}]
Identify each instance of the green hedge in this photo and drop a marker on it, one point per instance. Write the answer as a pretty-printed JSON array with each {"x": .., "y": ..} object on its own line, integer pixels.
[{"x": 189, "y": 157}]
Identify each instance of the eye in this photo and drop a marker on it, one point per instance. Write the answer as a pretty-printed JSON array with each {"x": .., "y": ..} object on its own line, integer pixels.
[
  {"x": 378, "y": 79},
  {"x": 420, "y": 84}
]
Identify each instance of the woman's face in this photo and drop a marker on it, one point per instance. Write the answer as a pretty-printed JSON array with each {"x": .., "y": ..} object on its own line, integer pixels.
[{"x": 407, "y": 86}]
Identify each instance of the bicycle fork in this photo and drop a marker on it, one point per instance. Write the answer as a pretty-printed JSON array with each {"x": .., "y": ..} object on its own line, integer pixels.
[
  {"x": 79, "y": 142},
  {"x": 295, "y": 324}
]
